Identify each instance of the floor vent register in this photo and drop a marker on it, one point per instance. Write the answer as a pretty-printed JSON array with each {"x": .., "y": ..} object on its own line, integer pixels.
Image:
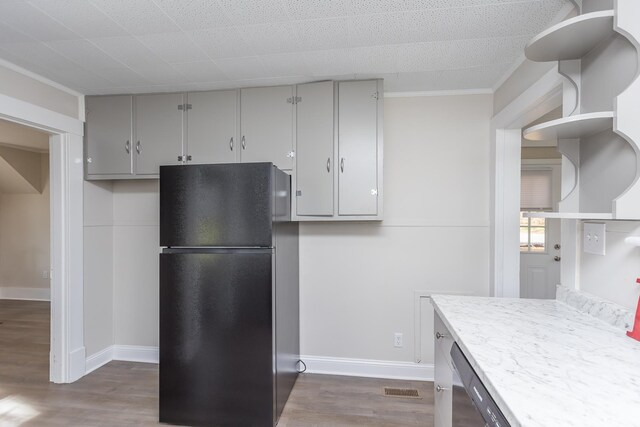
[{"x": 409, "y": 393}]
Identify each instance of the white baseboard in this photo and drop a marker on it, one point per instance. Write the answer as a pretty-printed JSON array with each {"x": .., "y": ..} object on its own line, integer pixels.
[
  {"x": 127, "y": 353},
  {"x": 368, "y": 368},
  {"x": 136, "y": 353},
  {"x": 31, "y": 294},
  {"x": 315, "y": 364},
  {"x": 99, "y": 359},
  {"x": 77, "y": 364}
]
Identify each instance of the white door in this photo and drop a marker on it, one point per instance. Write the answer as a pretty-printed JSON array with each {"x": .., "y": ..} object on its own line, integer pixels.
[{"x": 540, "y": 249}]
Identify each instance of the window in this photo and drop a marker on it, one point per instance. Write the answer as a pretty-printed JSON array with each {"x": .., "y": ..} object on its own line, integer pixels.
[
  {"x": 535, "y": 195},
  {"x": 533, "y": 234}
]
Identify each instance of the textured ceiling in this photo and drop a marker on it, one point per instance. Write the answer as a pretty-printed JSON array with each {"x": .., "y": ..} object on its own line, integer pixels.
[{"x": 119, "y": 46}]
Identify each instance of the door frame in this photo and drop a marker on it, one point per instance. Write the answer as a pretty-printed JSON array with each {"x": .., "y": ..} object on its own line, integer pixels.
[
  {"x": 66, "y": 165},
  {"x": 506, "y": 138}
]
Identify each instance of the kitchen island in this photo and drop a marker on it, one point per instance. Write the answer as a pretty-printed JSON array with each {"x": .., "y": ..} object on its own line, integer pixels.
[{"x": 546, "y": 363}]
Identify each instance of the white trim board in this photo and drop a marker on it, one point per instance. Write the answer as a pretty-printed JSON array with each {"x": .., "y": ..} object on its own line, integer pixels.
[
  {"x": 98, "y": 360},
  {"x": 29, "y": 294},
  {"x": 37, "y": 77},
  {"x": 126, "y": 353},
  {"x": 315, "y": 364},
  {"x": 368, "y": 368}
]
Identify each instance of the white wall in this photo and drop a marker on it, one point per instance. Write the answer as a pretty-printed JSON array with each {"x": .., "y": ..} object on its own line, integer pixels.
[
  {"x": 613, "y": 276},
  {"x": 136, "y": 246},
  {"x": 98, "y": 266},
  {"x": 358, "y": 280},
  {"x": 24, "y": 240}
]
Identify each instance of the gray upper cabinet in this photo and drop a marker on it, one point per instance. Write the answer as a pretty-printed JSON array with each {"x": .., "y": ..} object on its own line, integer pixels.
[
  {"x": 266, "y": 125},
  {"x": 327, "y": 135},
  {"x": 358, "y": 147},
  {"x": 211, "y": 127},
  {"x": 108, "y": 135},
  {"x": 314, "y": 149},
  {"x": 158, "y": 131}
]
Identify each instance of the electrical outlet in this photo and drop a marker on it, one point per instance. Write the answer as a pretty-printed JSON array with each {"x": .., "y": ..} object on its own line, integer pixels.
[
  {"x": 397, "y": 339},
  {"x": 593, "y": 238}
]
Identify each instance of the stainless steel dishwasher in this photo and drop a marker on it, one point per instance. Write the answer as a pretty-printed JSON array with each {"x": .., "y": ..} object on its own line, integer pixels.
[{"x": 472, "y": 404}]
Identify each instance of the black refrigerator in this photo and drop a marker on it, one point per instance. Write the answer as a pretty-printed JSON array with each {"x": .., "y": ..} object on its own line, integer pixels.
[{"x": 229, "y": 300}]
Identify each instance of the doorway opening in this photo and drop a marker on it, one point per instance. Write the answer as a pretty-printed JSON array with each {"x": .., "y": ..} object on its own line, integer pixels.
[
  {"x": 540, "y": 235},
  {"x": 25, "y": 256}
]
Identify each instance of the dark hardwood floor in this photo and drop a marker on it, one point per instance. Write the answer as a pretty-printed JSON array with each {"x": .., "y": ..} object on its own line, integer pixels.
[{"x": 125, "y": 393}]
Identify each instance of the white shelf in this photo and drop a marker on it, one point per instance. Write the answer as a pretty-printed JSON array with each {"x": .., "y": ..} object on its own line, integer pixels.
[
  {"x": 572, "y": 127},
  {"x": 568, "y": 215},
  {"x": 571, "y": 39}
]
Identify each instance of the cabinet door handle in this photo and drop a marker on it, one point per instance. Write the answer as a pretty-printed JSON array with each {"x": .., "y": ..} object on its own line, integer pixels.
[
  {"x": 179, "y": 158},
  {"x": 440, "y": 389},
  {"x": 440, "y": 336},
  {"x": 138, "y": 147},
  {"x": 329, "y": 164},
  {"x": 127, "y": 147},
  {"x": 342, "y": 165},
  {"x": 188, "y": 157},
  {"x": 231, "y": 144},
  {"x": 244, "y": 143}
]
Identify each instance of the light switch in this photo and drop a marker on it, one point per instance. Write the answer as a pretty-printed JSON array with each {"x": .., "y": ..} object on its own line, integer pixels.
[{"x": 593, "y": 238}]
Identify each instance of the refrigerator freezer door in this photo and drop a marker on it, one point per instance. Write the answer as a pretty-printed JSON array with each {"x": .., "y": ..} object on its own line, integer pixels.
[
  {"x": 227, "y": 205},
  {"x": 216, "y": 339}
]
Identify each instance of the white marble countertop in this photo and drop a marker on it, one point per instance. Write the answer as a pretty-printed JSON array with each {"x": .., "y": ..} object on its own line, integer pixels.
[{"x": 545, "y": 363}]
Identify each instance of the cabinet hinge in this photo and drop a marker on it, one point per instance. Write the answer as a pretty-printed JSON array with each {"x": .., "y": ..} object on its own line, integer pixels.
[{"x": 374, "y": 95}]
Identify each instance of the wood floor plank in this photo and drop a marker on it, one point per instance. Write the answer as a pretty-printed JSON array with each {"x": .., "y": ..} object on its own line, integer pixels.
[{"x": 126, "y": 393}]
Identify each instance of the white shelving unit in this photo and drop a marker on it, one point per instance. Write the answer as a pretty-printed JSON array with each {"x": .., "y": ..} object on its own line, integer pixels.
[
  {"x": 571, "y": 39},
  {"x": 596, "y": 52},
  {"x": 572, "y": 127},
  {"x": 568, "y": 215}
]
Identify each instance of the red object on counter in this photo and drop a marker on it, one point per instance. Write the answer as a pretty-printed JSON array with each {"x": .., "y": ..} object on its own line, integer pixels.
[{"x": 635, "y": 333}]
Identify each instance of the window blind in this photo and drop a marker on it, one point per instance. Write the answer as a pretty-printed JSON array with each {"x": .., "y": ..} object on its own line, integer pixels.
[{"x": 535, "y": 189}]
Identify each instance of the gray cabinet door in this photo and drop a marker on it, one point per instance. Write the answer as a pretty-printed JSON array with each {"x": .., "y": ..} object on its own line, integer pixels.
[
  {"x": 357, "y": 147},
  {"x": 108, "y": 135},
  {"x": 158, "y": 131},
  {"x": 211, "y": 127},
  {"x": 314, "y": 149},
  {"x": 266, "y": 123}
]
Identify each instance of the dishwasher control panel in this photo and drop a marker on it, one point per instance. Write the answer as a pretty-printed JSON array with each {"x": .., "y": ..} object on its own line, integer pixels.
[{"x": 480, "y": 397}]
